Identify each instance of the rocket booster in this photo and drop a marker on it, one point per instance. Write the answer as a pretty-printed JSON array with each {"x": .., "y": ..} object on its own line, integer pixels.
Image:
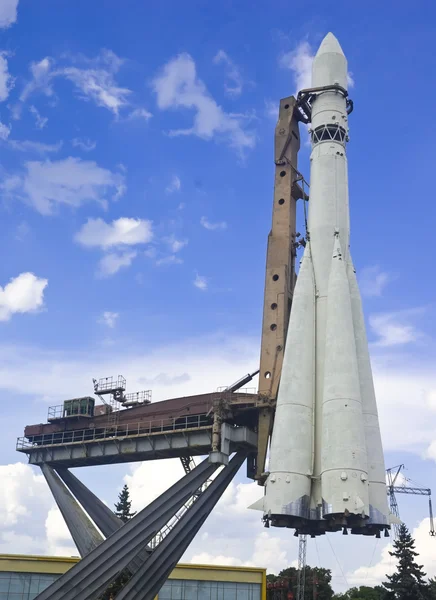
[{"x": 326, "y": 467}]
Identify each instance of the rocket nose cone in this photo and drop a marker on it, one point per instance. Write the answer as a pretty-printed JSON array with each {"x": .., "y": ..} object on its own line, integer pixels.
[
  {"x": 329, "y": 65},
  {"x": 329, "y": 45}
]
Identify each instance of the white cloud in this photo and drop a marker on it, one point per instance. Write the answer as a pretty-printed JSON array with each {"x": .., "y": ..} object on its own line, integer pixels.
[
  {"x": 113, "y": 262},
  {"x": 174, "y": 185},
  {"x": 59, "y": 542},
  {"x": 299, "y": 61},
  {"x": 94, "y": 80},
  {"x": 120, "y": 232},
  {"x": 372, "y": 281},
  {"x": 22, "y": 231},
  {"x": 172, "y": 259},
  {"x": 84, "y": 144},
  {"x": 212, "y": 226},
  {"x": 272, "y": 109},
  {"x": 98, "y": 83},
  {"x": 71, "y": 181},
  {"x": 234, "y": 85},
  {"x": 40, "y": 122},
  {"x": 41, "y": 80},
  {"x": 24, "y": 293},
  {"x": 6, "y": 79},
  {"x": 140, "y": 113},
  {"x": 200, "y": 282},
  {"x": 4, "y": 131},
  {"x": 376, "y": 574},
  {"x": 395, "y": 328},
  {"x": 109, "y": 319},
  {"x": 8, "y": 13},
  {"x": 23, "y": 487},
  {"x": 178, "y": 87},
  {"x": 175, "y": 244},
  {"x": 34, "y": 147}
]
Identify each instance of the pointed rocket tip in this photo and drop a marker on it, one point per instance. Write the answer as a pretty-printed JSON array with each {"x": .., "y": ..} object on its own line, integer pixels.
[{"x": 330, "y": 44}]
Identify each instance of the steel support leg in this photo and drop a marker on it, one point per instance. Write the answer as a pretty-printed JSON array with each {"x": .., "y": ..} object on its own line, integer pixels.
[
  {"x": 102, "y": 516},
  {"x": 151, "y": 576},
  {"x": 88, "y": 577},
  {"x": 84, "y": 533}
]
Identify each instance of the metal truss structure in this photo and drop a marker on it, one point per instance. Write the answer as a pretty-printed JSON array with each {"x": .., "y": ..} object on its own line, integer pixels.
[{"x": 127, "y": 546}]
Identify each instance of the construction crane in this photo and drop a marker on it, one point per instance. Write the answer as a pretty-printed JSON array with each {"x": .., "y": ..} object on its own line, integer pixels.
[{"x": 406, "y": 487}]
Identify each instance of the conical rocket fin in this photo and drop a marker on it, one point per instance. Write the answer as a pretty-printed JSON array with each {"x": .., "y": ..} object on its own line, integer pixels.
[{"x": 258, "y": 505}]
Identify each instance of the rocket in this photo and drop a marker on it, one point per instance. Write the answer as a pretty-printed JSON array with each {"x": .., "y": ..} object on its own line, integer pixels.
[{"x": 326, "y": 465}]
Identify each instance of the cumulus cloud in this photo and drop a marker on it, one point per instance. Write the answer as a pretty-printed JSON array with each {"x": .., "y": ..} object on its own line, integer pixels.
[
  {"x": 175, "y": 244},
  {"x": 140, "y": 113},
  {"x": 8, "y": 13},
  {"x": 114, "y": 261},
  {"x": 6, "y": 79},
  {"x": 174, "y": 185},
  {"x": 84, "y": 144},
  {"x": 178, "y": 87},
  {"x": 372, "y": 281},
  {"x": 234, "y": 84},
  {"x": 299, "y": 61},
  {"x": 24, "y": 293},
  {"x": 71, "y": 181},
  {"x": 395, "y": 328},
  {"x": 109, "y": 319},
  {"x": 200, "y": 282},
  {"x": 212, "y": 226},
  {"x": 23, "y": 486},
  {"x": 59, "y": 542},
  {"x": 93, "y": 79},
  {"x": 120, "y": 232}
]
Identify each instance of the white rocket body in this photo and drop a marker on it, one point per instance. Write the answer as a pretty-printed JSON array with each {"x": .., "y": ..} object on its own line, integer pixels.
[{"x": 326, "y": 468}]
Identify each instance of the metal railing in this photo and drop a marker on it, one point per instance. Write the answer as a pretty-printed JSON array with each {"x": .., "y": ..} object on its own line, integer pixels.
[
  {"x": 143, "y": 397},
  {"x": 116, "y": 431},
  {"x": 106, "y": 384},
  {"x": 247, "y": 390}
]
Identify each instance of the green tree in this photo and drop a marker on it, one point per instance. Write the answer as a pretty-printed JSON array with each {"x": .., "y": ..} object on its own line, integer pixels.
[
  {"x": 432, "y": 588},
  {"x": 123, "y": 507},
  {"x": 317, "y": 581},
  {"x": 123, "y": 510},
  {"x": 407, "y": 583},
  {"x": 364, "y": 592}
]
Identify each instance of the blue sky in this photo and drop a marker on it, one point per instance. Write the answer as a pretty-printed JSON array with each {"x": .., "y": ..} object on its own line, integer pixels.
[{"x": 136, "y": 178}]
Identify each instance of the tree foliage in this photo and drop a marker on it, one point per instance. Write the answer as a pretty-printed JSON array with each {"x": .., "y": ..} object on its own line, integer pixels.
[
  {"x": 123, "y": 510},
  {"x": 317, "y": 582},
  {"x": 363, "y": 592},
  {"x": 408, "y": 581}
]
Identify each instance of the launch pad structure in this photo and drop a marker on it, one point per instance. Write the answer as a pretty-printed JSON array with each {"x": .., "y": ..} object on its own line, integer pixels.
[
  {"x": 218, "y": 425},
  {"x": 231, "y": 426}
]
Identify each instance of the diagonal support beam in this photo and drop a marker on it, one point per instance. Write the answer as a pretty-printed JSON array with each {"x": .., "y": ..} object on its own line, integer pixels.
[
  {"x": 84, "y": 533},
  {"x": 151, "y": 576},
  {"x": 88, "y": 577},
  {"x": 102, "y": 516}
]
